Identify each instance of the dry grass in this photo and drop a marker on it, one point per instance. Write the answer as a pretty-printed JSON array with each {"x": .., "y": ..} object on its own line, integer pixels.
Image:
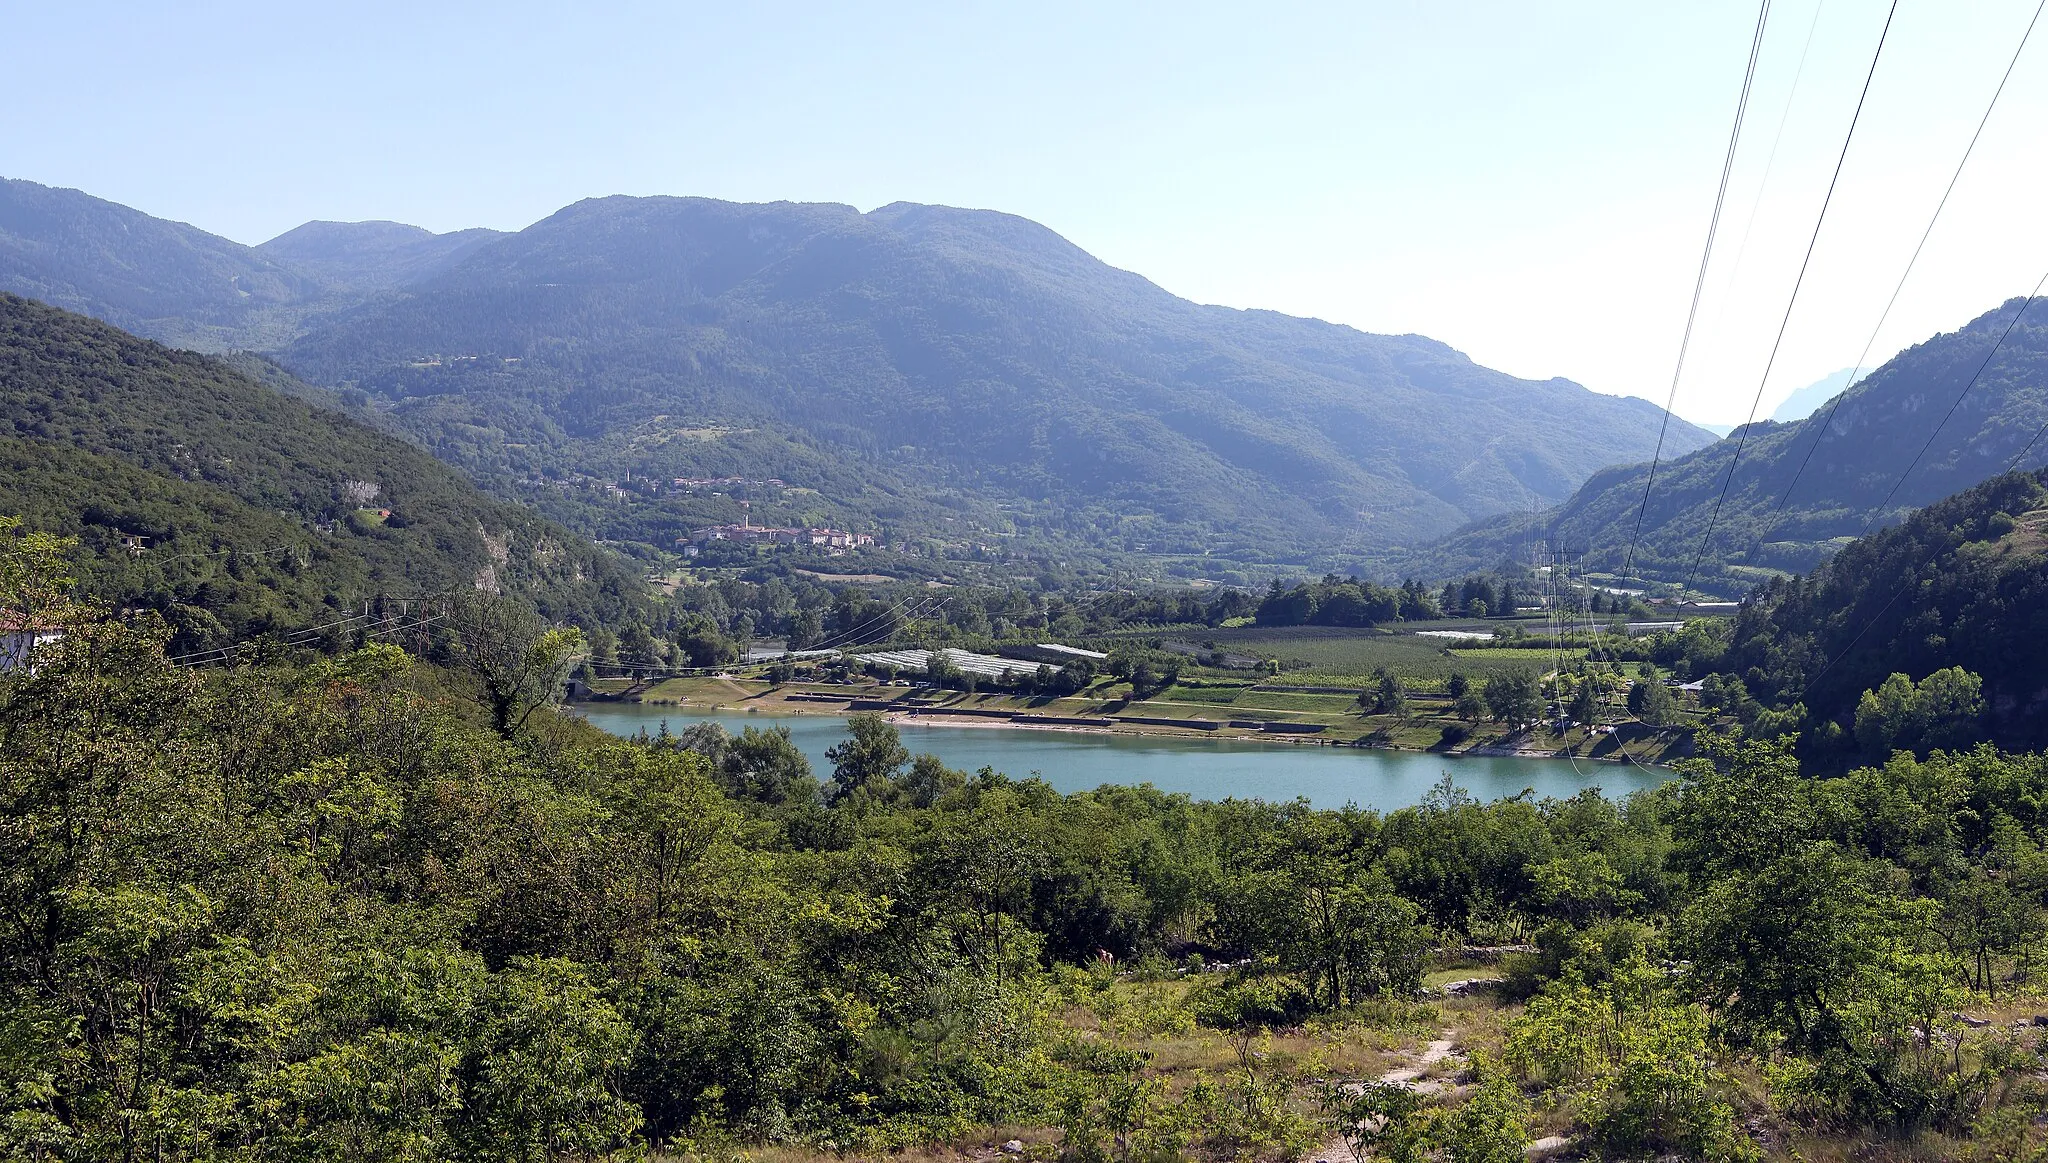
[
  {"x": 1039, "y": 1143},
  {"x": 1368, "y": 1041}
]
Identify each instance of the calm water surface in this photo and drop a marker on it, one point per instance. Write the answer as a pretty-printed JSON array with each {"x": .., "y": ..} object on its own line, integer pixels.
[{"x": 1208, "y": 769}]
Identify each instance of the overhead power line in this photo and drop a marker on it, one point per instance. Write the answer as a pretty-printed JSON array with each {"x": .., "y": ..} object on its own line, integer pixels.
[
  {"x": 1877, "y": 513},
  {"x": 1756, "y": 42},
  {"x": 386, "y": 625},
  {"x": 1793, "y": 300},
  {"x": 847, "y": 636},
  {"x": 1771, "y": 158},
  {"x": 221, "y": 553},
  {"x": 288, "y": 638},
  {"x": 1821, "y": 430}
]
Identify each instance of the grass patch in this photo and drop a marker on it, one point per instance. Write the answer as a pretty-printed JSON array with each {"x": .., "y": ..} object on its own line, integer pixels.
[
  {"x": 1294, "y": 701},
  {"x": 1333, "y": 656}
]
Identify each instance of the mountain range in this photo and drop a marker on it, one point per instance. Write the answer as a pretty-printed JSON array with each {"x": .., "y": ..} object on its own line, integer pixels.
[
  {"x": 959, "y": 376},
  {"x": 1934, "y": 420}
]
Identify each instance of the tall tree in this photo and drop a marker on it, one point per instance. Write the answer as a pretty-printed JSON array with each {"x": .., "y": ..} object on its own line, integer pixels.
[{"x": 519, "y": 661}]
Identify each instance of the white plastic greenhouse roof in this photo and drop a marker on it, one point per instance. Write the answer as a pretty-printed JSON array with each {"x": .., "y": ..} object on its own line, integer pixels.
[{"x": 985, "y": 665}]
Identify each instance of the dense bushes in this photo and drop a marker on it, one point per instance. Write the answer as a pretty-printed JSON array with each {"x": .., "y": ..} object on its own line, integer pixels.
[{"x": 331, "y": 912}]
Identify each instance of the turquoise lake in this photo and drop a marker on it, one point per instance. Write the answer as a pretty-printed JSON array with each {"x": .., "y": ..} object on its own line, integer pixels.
[{"x": 1209, "y": 769}]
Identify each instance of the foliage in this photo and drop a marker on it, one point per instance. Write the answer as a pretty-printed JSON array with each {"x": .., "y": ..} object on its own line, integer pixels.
[
  {"x": 1513, "y": 697},
  {"x": 1632, "y": 1059},
  {"x": 1337, "y": 601},
  {"x": 1940, "y": 711},
  {"x": 519, "y": 661},
  {"x": 330, "y": 911},
  {"x": 1489, "y": 1127},
  {"x": 1953, "y": 596},
  {"x": 1651, "y": 701},
  {"x": 1378, "y": 1120},
  {"x": 232, "y": 510}
]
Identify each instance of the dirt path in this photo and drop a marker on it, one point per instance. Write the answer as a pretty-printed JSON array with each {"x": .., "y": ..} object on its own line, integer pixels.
[
  {"x": 1408, "y": 1077},
  {"x": 1434, "y": 1054}
]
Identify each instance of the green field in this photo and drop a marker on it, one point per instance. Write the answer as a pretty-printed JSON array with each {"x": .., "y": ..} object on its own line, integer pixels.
[
  {"x": 1244, "y": 697},
  {"x": 1333, "y": 656}
]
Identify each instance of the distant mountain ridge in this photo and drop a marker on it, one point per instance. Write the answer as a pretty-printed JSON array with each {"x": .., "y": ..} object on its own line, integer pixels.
[
  {"x": 166, "y": 280},
  {"x": 371, "y": 256},
  {"x": 962, "y": 375},
  {"x": 1809, "y": 399},
  {"x": 1854, "y": 453}
]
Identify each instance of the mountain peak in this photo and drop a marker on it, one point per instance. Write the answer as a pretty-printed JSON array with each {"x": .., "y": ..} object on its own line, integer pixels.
[
  {"x": 958, "y": 359},
  {"x": 374, "y": 255}
]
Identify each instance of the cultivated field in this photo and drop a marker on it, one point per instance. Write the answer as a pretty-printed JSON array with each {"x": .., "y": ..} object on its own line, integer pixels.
[{"x": 1335, "y": 656}]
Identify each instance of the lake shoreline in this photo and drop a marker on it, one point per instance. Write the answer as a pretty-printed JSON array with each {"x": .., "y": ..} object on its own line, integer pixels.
[
  {"x": 941, "y": 717},
  {"x": 1209, "y": 766}
]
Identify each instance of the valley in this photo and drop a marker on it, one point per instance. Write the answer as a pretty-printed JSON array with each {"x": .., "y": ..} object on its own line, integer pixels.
[
  {"x": 1802, "y": 490},
  {"x": 689, "y": 680}
]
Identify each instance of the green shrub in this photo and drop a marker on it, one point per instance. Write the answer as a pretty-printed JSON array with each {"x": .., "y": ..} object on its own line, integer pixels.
[{"x": 1263, "y": 1000}]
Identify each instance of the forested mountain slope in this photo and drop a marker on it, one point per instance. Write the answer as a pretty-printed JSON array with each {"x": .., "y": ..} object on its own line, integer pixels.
[
  {"x": 929, "y": 372},
  {"x": 1962, "y": 583},
  {"x": 172, "y": 282},
  {"x": 234, "y": 509},
  {"x": 1858, "y": 449}
]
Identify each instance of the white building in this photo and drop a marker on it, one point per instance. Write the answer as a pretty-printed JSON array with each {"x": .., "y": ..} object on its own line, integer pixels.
[{"x": 19, "y": 641}]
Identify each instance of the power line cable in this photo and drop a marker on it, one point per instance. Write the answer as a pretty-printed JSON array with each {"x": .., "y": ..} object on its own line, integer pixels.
[
  {"x": 847, "y": 635},
  {"x": 1742, "y": 441},
  {"x": 1700, "y": 281},
  {"x": 1771, "y": 159},
  {"x": 923, "y": 603},
  {"x": 1878, "y": 513},
  {"x": 851, "y": 636},
  {"x": 1821, "y": 430},
  {"x": 221, "y": 553},
  {"x": 297, "y": 638},
  {"x": 301, "y": 633}
]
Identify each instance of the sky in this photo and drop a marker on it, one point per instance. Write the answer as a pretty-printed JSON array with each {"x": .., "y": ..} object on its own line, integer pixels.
[{"x": 1530, "y": 183}]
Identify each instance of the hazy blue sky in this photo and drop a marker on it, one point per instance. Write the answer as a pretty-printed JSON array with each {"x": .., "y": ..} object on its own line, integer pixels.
[{"x": 1528, "y": 182}]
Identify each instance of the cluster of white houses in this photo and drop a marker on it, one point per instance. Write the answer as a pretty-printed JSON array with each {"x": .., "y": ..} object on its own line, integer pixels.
[{"x": 832, "y": 540}]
